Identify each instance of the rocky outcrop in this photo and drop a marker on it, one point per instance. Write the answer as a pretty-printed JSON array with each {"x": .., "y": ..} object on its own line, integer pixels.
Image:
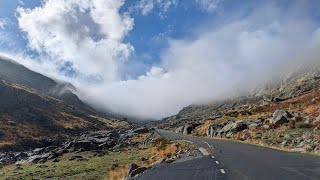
[
  {"x": 280, "y": 117},
  {"x": 226, "y": 129},
  {"x": 87, "y": 142},
  {"x": 186, "y": 129}
]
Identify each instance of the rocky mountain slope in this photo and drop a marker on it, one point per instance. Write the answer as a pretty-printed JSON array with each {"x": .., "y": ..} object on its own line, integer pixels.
[
  {"x": 35, "y": 109},
  {"x": 284, "y": 115}
]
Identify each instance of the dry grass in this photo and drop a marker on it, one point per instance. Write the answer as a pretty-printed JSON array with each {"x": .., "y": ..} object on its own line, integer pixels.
[
  {"x": 140, "y": 137},
  {"x": 313, "y": 110},
  {"x": 201, "y": 130},
  {"x": 4, "y": 143},
  {"x": 117, "y": 173},
  {"x": 71, "y": 122},
  {"x": 168, "y": 151}
]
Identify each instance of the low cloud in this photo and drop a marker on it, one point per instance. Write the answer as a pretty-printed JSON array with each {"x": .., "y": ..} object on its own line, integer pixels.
[{"x": 213, "y": 63}]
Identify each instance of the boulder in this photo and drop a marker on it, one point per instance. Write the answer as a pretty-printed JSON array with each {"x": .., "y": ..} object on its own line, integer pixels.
[
  {"x": 280, "y": 117},
  {"x": 132, "y": 167},
  {"x": 186, "y": 129},
  {"x": 234, "y": 127},
  {"x": 159, "y": 161},
  {"x": 85, "y": 145},
  {"x": 37, "y": 158},
  {"x": 180, "y": 129},
  {"x": 253, "y": 126},
  {"x": 60, "y": 152},
  {"x": 137, "y": 171},
  {"x": 38, "y": 151},
  {"x": 308, "y": 135},
  {"x": 266, "y": 127},
  {"x": 213, "y": 130},
  {"x": 79, "y": 158}
]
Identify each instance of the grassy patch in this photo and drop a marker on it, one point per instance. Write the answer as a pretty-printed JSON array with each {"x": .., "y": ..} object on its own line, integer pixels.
[
  {"x": 106, "y": 165},
  {"x": 94, "y": 167}
]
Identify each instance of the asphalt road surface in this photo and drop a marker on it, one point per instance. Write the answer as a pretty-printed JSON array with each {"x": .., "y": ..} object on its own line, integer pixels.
[{"x": 236, "y": 161}]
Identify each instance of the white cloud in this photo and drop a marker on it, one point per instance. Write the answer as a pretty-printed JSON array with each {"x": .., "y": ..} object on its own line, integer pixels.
[
  {"x": 231, "y": 58},
  {"x": 88, "y": 34},
  {"x": 208, "y": 5},
  {"x": 146, "y": 6},
  {"x": 226, "y": 61},
  {"x": 3, "y": 23}
]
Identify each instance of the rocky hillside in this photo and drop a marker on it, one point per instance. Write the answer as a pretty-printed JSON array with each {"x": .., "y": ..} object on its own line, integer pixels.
[
  {"x": 35, "y": 109},
  {"x": 284, "y": 115}
]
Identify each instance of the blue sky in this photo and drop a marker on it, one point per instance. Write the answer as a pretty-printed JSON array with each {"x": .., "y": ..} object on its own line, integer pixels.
[
  {"x": 150, "y": 58},
  {"x": 149, "y": 35}
]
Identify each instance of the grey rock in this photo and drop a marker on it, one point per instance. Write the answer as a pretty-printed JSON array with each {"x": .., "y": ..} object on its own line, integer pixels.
[
  {"x": 266, "y": 126},
  {"x": 284, "y": 143},
  {"x": 137, "y": 171},
  {"x": 86, "y": 145},
  {"x": 287, "y": 136},
  {"x": 213, "y": 130},
  {"x": 280, "y": 117},
  {"x": 307, "y": 135},
  {"x": 38, "y": 151},
  {"x": 253, "y": 126},
  {"x": 234, "y": 127},
  {"x": 37, "y": 158},
  {"x": 55, "y": 160},
  {"x": 310, "y": 147},
  {"x": 186, "y": 129},
  {"x": 60, "y": 152},
  {"x": 180, "y": 129},
  {"x": 159, "y": 161},
  {"x": 169, "y": 160},
  {"x": 132, "y": 167},
  {"x": 80, "y": 158}
]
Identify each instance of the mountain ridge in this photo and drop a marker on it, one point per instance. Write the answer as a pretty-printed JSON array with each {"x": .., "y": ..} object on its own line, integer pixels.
[{"x": 32, "y": 113}]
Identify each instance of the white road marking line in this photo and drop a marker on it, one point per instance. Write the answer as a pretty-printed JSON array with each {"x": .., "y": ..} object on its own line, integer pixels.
[
  {"x": 204, "y": 151},
  {"x": 188, "y": 141},
  {"x": 212, "y": 157},
  {"x": 222, "y": 171},
  {"x": 207, "y": 144},
  {"x": 217, "y": 162}
]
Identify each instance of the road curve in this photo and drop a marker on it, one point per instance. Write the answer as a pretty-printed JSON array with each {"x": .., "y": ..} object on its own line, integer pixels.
[{"x": 236, "y": 161}]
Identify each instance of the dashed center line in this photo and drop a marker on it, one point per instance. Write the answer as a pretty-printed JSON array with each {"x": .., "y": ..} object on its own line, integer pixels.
[
  {"x": 222, "y": 171},
  {"x": 217, "y": 162}
]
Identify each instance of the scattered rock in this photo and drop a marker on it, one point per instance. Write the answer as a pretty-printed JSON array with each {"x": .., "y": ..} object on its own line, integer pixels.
[
  {"x": 280, "y": 117},
  {"x": 159, "y": 161},
  {"x": 80, "y": 158},
  {"x": 253, "y": 126},
  {"x": 266, "y": 127},
  {"x": 213, "y": 130},
  {"x": 55, "y": 160},
  {"x": 307, "y": 135},
  {"x": 310, "y": 147},
  {"x": 186, "y": 129},
  {"x": 132, "y": 167},
  {"x": 137, "y": 171},
  {"x": 37, "y": 158}
]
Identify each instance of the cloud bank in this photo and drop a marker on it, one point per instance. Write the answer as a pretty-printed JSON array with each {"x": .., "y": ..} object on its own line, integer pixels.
[{"x": 213, "y": 62}]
